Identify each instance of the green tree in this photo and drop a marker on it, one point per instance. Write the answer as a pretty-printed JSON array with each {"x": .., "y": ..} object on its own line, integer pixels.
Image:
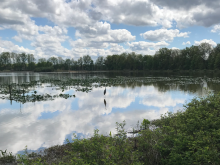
[
  {"x": 53, "y": 60},
  {"x": 122, "y": 61},
  {"x": 68, "y": 64},
  {"x": 108, "y": 62},
  {"x": 217, "y": 61},
  {"x": 86, "y": 62},
  {"x": 99, "y": 63},
  {"x": 24, "y": 59},
  {"x": 5, "y": 60},
  {"x": 80, "y": 63}
]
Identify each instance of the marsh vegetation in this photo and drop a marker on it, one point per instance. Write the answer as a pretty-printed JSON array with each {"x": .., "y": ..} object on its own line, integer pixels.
[
  {"x": 189, "y": 136},
  {"x": 26, "y": 92}
]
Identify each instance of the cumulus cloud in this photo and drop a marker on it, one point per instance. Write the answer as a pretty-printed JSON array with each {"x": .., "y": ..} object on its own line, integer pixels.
[
  {"x": 188, "y": 13},
  {"x": 163, "y": 34},
  {"x": 62, "y": 13},
  {"x": 56, "y": 30},
  {"x": 9, "y": 17},
  {"x": 46, "y": 44},
  {"x": 127, "y": 12},
  {"x": 91, "y": 31},
  {"x": 211, "y": 42},
  {"x": 8, "y": 46},
  {"x": 186, "y": 43},
  {"x": 114, "y": 36},
  {"x": 113, "y": 48},
  {"x": 17, "y": 38},
  {"x": 216, "y": 29},
  {"x": 100, "y": 35},
  {"x": 51, "y": 36},
  {"x": 85, "y": 16},
  {"x": 143, "y": 47},
  {"x": 28, "y": 30},
  {"x": 81, "y": 13},
  {"x": 154, "y": 13},
  {"x": 186, "y": 4}
]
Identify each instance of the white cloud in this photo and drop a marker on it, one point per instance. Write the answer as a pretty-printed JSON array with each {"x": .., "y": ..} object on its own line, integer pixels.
[
  {"x": 91, "y": 31},
  {"x": 81, "y": 13},
  {"x": 161, "y": 100},
  {"x": 154, "y": 13},
  {"x": 56, "y": 30},
  {"x": 187, "y": 13},
  {"x": 17, "y": 38},
  {"x": 115, "y": 36},
  {"x": 100, "y": 35},
  {"x": 146, "y": 47},
  {"x": 186, "y": 43},
  {"x": 8, "y": 16},
  {"x": 143, "y": 45},
  {"x": 174, "y": 48},
  {"x": 85, "y": 16},
  {"x": 122, "y": 12},
  {"x": 94, "y": 52},
  {"x": 211, "y": 42},
  {"x": 216, "y": 29},
  {"x": 163, "y": 34},
  {"x": 11, "y": 47},
  {"x": 73, "y": 13}
]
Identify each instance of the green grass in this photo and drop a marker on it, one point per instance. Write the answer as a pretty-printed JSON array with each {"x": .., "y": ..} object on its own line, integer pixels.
[{"x": 188, "y": 137}]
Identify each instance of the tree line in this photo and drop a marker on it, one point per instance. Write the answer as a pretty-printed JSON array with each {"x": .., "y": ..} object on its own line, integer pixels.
[{"x": 203, "y": 56}]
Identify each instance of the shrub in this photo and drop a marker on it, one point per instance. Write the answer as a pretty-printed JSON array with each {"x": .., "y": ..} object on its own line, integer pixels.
[{"x": 192, "y": 136}]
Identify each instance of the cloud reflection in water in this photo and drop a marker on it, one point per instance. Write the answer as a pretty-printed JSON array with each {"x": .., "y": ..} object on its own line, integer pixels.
[{"x": 31, "y": 128}]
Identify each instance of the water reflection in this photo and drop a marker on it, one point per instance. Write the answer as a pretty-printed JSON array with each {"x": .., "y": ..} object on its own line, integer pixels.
[
  {"x": 105, "y": 103},
  {"x": 50, "y": 122}
]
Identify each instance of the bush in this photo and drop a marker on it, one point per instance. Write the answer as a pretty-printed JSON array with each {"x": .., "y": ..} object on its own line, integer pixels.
[
  {"x": 192, "y": 136},
  {"x": 44, "y": 69}
]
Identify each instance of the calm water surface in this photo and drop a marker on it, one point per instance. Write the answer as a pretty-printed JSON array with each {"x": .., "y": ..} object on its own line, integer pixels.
[{"x": 47, "y": 123}]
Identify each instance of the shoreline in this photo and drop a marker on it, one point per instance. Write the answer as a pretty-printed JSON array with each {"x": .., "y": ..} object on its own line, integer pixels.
[{"x": 124, "y": 71}]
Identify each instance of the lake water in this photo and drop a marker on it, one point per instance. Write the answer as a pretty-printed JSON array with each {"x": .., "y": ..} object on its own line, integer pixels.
[{"x": 49, "y": 122}]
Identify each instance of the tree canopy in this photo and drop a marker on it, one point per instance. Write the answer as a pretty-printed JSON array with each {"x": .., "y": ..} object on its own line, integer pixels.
[{"x": 203, "y": 56}]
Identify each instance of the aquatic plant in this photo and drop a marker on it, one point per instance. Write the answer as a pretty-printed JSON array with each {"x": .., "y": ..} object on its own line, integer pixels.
[{"x": 21, "y": 92}]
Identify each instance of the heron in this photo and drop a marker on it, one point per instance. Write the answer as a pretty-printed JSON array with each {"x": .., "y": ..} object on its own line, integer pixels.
[
  {"x": 105, "y": 103},
  {"x": 105, "y": 91}
]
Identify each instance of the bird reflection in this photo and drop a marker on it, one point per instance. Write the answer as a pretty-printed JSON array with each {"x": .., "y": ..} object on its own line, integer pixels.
[{"x": 105, "y": 103}]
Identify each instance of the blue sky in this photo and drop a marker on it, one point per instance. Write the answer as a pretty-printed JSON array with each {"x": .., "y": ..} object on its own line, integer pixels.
[{"x": 74, "y": 28}]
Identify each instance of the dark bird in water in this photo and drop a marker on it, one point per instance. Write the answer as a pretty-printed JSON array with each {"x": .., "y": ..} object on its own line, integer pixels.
[
  {"x": 105, "y": 91},
  {"x": 105, "y": 103}
]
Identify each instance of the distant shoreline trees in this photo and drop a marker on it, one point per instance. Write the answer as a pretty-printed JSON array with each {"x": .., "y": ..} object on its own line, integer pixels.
[{"x": 199, "y": 57}]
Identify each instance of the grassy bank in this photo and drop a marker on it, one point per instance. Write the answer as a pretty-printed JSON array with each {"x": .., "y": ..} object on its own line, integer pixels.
[{"x": 188, "y": 137}]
